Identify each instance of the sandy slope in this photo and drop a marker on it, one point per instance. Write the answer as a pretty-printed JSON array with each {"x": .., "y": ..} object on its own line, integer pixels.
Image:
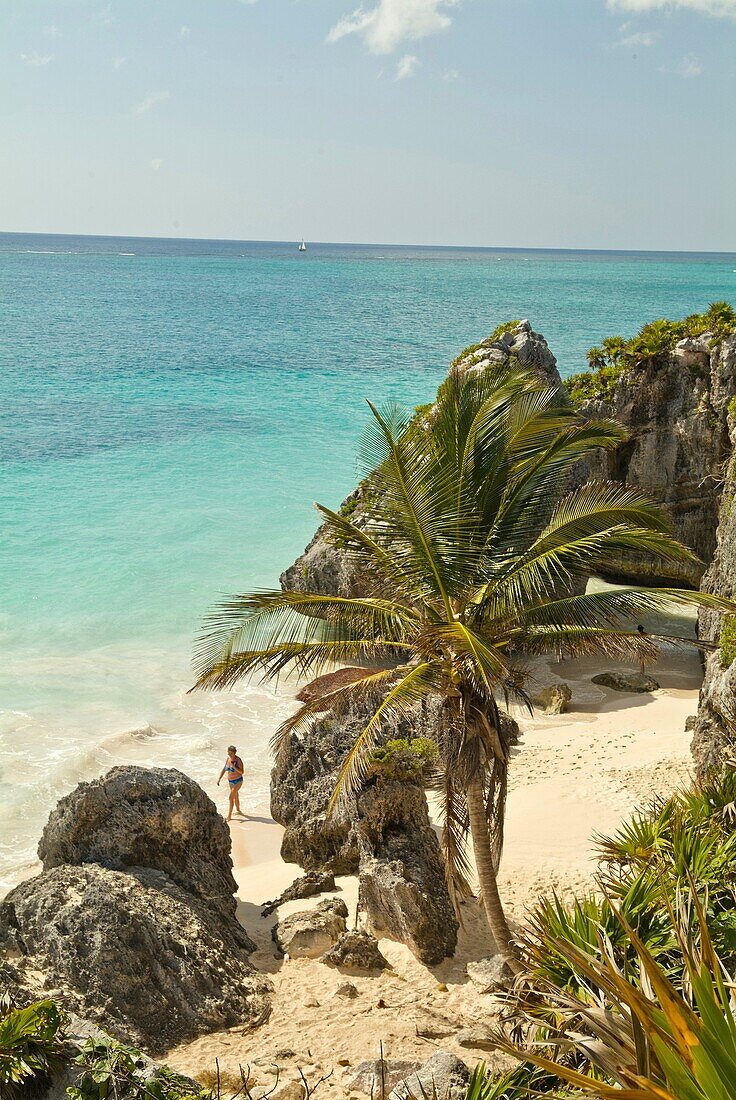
[{"x": 571, "y": 776}]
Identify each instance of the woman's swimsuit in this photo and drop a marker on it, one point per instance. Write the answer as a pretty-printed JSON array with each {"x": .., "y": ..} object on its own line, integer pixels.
[{"x": 238, "y": 766}]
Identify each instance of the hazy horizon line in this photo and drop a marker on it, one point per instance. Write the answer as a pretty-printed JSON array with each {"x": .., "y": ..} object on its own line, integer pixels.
[{"x": 366, "y": 244}]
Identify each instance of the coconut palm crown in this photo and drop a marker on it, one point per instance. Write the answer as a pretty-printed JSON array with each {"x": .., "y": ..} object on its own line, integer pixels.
[{"x": 475, "y": 550}]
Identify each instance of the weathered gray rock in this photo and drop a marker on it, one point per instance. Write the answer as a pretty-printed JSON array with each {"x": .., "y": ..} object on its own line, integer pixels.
[
  {"x": 145, "y": 817},
  {"x": 442, "y": 1077},
  {"x": 714, "y": 734},
  {"x": 634, "y": 682},
  {"x": 474, "y": 1038},
  {"x": 346, "y": 990},
  {"x": 490, "y": 974},
  {"x": 676, "y": 410},
  {"x": 309, "y": 934},
  {"x": 356, "y": 950},
  {"x": 403, "y": 889},
  {"x": 375, "y": 1078},
  {"x": 307, "y": 886},
  {"x": 133, "y": 950},
  {"x": 554, "y": 698}
]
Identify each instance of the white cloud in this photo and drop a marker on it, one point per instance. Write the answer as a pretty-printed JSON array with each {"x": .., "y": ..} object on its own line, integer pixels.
[
  {"x": 185, "y": 31},
  {"x": 392, "y": 22},
  {"x": 724, "y": 8},
  {"x": 36, "y": 58},
  {"x": 407, "y": 66},
  {"x": 117, "y": 62},
  {"x": 639, "y": 38},
  {"x": 689, "y": 66},
  {"x": 156, "y": 163},
  {"x": 149, "y": 102},
  {"x": 52, "y": 31}
]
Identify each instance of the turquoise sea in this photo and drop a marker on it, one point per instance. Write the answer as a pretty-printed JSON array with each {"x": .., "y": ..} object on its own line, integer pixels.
[{"x": 170, "y": 409}]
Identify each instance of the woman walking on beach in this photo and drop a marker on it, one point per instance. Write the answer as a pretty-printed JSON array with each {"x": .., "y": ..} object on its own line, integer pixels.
[{"x": 234, "y": 768}]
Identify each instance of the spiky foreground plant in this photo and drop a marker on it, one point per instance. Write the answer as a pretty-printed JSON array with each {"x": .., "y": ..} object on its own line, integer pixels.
[{"x": 474, "y": 547}]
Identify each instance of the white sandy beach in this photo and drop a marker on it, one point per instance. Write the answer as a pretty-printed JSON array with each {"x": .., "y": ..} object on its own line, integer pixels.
[{"x": 571, "y": 776}]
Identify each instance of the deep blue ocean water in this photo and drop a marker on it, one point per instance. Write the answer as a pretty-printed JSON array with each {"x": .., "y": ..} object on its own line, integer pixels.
[{"x": 170, "y": 409}]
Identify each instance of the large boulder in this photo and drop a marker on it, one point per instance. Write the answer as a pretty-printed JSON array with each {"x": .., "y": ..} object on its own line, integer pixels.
[
  {"x": 403, "y": 889},
  {"x": 636, "y": 683},
  {"x": 145, "y": 817},
  {"x": 133, "y": 951},
  {"x": 312, "y": 932}
]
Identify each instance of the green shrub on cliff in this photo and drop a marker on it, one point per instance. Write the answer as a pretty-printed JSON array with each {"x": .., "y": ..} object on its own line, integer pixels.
[
  {"x": 408, "y": 760},
  {"x": 656, "y": 339},
  {"x": 108, "y": 1069}
]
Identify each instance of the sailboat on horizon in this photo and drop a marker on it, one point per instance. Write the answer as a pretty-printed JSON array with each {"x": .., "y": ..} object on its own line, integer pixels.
[{"x": 302, "y": 246}]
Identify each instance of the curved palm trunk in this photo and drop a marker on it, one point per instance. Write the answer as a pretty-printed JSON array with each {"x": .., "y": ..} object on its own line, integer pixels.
[{"x": 486, "y": 874}]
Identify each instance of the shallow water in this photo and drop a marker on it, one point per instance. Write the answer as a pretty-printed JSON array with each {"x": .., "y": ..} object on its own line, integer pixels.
[{"x": 170, "y": 411}]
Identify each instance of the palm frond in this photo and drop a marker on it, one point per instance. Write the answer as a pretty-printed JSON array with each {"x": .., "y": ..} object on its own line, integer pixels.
[{"x": 412, "y": 687}]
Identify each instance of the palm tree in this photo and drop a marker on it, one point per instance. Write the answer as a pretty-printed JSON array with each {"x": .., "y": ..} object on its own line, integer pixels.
[{"x": 474, "y": 549}]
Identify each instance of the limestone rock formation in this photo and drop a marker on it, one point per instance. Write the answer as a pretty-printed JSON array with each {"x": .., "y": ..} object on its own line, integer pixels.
[
  {"x": 312, "y": 932},
  {"x": 145, "y": 817},
  {"x": 376, "y": 1078},
  {"x": 306, "y": 886},
  {"x": 636, "y": 682},
  {"x": 554, "y": 698},
  {"x": 490, "y": 974},
  {"x": 356, "y": 950},
  {"x": 442, "y": 1077},
  {"x": 676, "y": 409},
  {"x": 128, "y": 949},
  {"x": 714, "y": 732},
  {"x": 403, "y": 890}
]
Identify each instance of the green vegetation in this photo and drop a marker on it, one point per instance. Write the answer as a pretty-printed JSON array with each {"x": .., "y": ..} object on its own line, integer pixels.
[
  {"x": 732, "y": 408},
  {"x": 457, "y": 610},
  {"x": 109, "y": 1070},
  {"x": 31, "y": 1043},
  {"x": 728, "y": 640},
  {"x": 632, "y": 992},
  {"x": 409, "y": 760},
  {"x": 506, "y": 326},
  {"x": 617, "y": 356}
]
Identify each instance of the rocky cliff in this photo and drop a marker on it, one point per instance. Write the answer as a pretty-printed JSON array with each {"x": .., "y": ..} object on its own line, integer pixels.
[
  {"x": 675, "y": 406},
  {"x": 714, "y": 735}
]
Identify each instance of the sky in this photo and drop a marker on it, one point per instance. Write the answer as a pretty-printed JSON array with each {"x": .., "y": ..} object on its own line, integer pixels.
[{"x": 518, "y": 123}]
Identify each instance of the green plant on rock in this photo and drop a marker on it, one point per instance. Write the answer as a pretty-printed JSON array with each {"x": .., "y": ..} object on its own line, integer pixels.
[
  {"x": 31, "y": 1044},
  {"x": 503, "y": 328},
  {"x": 111, "y": 1071},
  {"x": 410, "y": 760},
  {"x": 728, "y": 641},
  {"x": 474, "y": 541}
]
